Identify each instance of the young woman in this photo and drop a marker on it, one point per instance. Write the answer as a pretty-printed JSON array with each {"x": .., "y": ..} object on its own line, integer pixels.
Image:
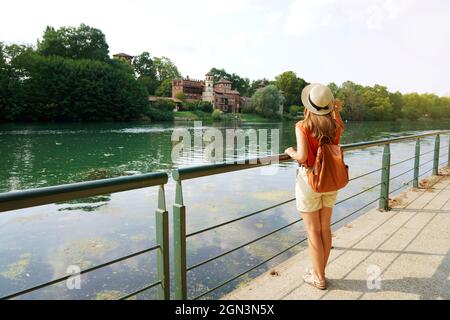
[{"x": 322, "y": 118}]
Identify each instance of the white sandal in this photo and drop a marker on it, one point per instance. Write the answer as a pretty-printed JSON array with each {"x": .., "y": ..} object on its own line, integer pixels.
[
  {"x": 310, "y": 279},
  {"x": 313, "y": 281}
]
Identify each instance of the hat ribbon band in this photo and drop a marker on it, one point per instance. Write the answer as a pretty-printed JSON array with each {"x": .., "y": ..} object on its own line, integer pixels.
[{"x": 316, "y": 106}]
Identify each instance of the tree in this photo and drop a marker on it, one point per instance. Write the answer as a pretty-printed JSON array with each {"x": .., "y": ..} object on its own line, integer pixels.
[
  {"x": 240, "y": 84},
  {"x": 257, "y": 84},
  {"x": 267, "y": 101},
  {"x": 12, "y": 75},
  {"x": 83, "y": 42},
  {"x": 61, "y": 89},
  {"x": 397, "y": 104},
  {"x": 165, "y": 89},
  {"x": 351, "y": 95},
  {"x": 143, "y": 65},
  {"x": 414, "y": 107},
  {"x": 291, "y": 86},
  {"x": 334, "y": 88},
  {"x": 145, "y": 70},
  {"x": 165, "y": 69},
  {"x": 377, "y": 103}
]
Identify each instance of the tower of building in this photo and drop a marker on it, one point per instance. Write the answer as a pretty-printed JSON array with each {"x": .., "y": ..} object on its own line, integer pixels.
[{"x": 208, "y": 93}]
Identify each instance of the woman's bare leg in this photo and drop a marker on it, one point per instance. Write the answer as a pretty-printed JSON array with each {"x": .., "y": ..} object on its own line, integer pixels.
[
  {"x": 325, "y": 230},
  {"x": 312, "y": 223}
]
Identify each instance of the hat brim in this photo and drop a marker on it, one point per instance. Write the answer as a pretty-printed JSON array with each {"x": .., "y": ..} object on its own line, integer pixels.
[{"x": 307, "y": 104}]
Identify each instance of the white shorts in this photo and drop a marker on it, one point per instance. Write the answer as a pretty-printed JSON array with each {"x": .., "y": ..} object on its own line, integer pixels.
[{"x": 307, "y": 199}]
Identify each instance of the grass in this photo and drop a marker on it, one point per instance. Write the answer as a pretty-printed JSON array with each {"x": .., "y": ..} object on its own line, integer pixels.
[{"x": 192, "y": 115}]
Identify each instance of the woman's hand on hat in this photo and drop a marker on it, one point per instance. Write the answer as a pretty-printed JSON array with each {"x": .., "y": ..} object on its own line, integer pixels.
[{"x": 337, "y": 105}]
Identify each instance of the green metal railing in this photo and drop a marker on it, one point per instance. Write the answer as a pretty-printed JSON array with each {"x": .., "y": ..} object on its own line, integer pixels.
[
  {"x": 36, "y": 197},
  {"x": 181, "y": 268}
]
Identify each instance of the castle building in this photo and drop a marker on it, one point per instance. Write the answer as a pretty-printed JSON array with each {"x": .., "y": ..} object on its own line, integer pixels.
[
  {"x": 220, "y": 95},
  {"x": 123, "y": 56},
  {"x": 192, "y": 89},
  {"x": 225, "y": 98}
]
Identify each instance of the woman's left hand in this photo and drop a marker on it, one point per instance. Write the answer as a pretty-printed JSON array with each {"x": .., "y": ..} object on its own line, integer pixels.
[{"x": 289, "y": 151}]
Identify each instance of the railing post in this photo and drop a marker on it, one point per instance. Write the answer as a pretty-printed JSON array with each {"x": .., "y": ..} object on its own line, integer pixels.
[
  {"x": 436, "y": 155},
  {"x": 179, "y": 234},
  {"x": 416, "y": 165},
  {"x": 448, "y": 162},
  {"x": 385, "y": 177},
  {"x": 162, "y": 238}
]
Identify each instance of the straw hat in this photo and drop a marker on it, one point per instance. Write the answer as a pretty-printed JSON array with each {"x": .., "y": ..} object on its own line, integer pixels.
[{"x": 318, "y": 99}]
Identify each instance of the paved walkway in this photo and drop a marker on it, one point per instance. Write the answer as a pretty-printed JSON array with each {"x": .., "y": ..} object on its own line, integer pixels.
[{"x": 408, "y": 247}]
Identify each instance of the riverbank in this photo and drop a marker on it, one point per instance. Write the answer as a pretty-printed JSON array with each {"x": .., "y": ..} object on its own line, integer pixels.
[{"x": 204, "y": 116}]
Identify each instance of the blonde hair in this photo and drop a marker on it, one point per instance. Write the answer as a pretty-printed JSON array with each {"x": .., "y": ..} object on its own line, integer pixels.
[{"x": 320, "y": 125}]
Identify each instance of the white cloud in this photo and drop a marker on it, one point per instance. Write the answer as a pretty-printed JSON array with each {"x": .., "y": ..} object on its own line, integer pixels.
[
  {"x": 307, "y": 16},
  {"x": 273, "y": 17}
]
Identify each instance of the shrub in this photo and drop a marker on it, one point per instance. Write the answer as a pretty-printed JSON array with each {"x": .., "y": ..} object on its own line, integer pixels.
[
  {"x": 295, "y": 110},
  {"x": 216, "y": 115},
  {"x": 164, "y": 105},
  {"x": 159, "y": 115},
  {"x": 248, "y": 108},
  {"x": 205, "y": 106},
  {"x": 189, "y": 106},
  {"x": 181, "y": 96}
]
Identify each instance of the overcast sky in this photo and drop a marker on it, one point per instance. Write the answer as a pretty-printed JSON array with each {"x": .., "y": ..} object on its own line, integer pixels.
[{"x": 404, "y": 44}]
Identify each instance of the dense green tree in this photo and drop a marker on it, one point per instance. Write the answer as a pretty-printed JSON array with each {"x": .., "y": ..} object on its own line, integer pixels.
[
  {"x": 83, "y": 42},
  {"x": 164, "y": 69},
  {"x": 145, "y": 70},
  {"x": 351, "y": 94},
  {"x": 413, "y": 107},
  {"x": 291, "y": 86},
  {"x": 334, "y": 88},
  {"x": 267, "y": 101},
  {"x": 165, "y": 89},
  {"x": 377, "y": 103},
  {"x": 258, "y": 84},
  {"x": 12, "y": 75},
  {"x": 397, "y": 104},
  {"x": 143, "y": 65},
  {"x": 61, "y": 89},
  {"x": 238, "y": 83}
]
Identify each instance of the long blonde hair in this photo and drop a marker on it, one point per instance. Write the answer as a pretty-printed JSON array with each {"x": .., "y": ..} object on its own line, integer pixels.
[{"x": 320, "y": 126}]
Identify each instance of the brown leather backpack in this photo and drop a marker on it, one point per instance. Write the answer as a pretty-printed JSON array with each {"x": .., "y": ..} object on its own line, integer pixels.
[{"x": 329, "y": 173}]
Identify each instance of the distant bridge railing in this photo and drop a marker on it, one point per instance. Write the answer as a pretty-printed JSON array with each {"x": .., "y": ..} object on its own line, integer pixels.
[
  {"x": 31, "y": 198},
  {"x": 181, "y": 268},
  {"x": 36, "y": 197}
]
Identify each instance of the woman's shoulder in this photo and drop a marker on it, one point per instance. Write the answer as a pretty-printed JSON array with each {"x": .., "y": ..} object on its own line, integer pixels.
[{"x": 300, "y": 125}]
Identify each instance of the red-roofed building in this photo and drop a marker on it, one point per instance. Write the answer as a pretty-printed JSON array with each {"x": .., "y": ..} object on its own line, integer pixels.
[
  {"x": 220, "y": 94},
  {"x": 123, "y": 56}
]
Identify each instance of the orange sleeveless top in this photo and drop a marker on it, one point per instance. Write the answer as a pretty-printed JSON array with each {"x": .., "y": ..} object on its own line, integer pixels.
[{"x": 313, "y": 143}]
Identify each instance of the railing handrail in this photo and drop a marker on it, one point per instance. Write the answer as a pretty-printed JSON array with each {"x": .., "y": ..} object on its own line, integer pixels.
[
  {"x": 213, "y": 169},
  {"x": 34, "y": 197}
]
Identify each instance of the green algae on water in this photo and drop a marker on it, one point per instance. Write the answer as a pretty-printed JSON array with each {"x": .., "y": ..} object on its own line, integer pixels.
[{"x": 17, "y": 269}]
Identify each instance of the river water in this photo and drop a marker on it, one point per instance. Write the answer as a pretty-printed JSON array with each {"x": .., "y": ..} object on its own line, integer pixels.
[{"x": 41, "y": 243}]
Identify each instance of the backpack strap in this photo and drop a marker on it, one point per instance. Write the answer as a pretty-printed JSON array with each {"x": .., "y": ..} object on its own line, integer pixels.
[{"x": 325, "y": 140}]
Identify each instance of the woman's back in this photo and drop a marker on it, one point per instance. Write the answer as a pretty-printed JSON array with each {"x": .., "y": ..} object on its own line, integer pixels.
[{"x": 313, "y": 143}]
